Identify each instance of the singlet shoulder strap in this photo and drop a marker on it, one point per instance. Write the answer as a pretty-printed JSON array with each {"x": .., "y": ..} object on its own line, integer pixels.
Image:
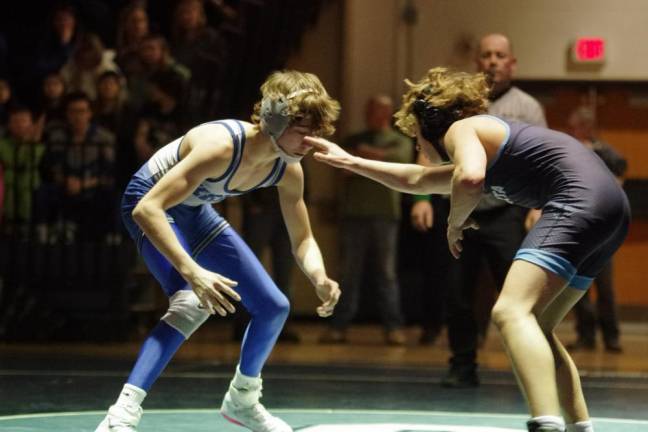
[
  {"x": 278, "y": 173},
  {"x": 237, "y": 132}
]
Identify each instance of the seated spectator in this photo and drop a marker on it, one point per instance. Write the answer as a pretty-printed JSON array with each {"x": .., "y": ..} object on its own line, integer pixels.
[
  {"x": 20, "y": 156},
  {"x": 153, "y": 57},
  {"x": 111, "y": 99},
  {"x": 55, "y": 48},
  {"x": 89, "y": 60},
  {"x": 51, "y": 112},
  {"x": 204, "y": 51},
  {"x": 113, "y": 112},
  {"x": 132, "y": 28},
  {"x": 78, "y": 197},
  {"x": 161, "y": 120},
  {"x": 193, "y": 42}
]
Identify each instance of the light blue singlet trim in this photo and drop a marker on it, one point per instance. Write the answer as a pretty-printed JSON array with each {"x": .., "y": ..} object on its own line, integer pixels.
[
  {"x": 552, "y": 262},
  {"x": 555, "y": 264},
  {"x": 581, "y": 282},
  {"x": 504, "y": 141}
]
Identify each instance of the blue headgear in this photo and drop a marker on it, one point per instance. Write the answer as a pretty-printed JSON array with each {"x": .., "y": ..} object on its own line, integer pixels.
[
  {"x": 434, "y": 123},
  {"x": 275, "y": 119}
]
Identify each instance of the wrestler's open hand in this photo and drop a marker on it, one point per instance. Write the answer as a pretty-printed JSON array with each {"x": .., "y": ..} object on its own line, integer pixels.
[
  {"x": 329, "y": 292},
  {"x": 329, "y": 152},
  {"x": 455, "y": 236},
  {"x": 213, "y": 291}
]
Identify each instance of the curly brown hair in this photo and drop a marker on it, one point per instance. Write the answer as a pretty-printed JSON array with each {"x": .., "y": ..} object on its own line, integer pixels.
[
  {"x": 463, "y": 94},
  {"x": 315, "y": 103}
]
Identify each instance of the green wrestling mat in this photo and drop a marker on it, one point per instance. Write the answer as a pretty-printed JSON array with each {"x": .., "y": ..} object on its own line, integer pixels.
[{"x": 303, "y": 420}]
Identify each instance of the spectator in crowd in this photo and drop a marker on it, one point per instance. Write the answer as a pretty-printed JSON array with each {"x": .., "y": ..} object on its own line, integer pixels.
[
  {"x": 204, "y": 51},
  {"x": 20, "y": 156},
  {"x": 89, "y": 60},
  {"x": 582, "y": 126},
  {"x": 113, "y": 112},
  {"x": 57, "y": 45},
  {"x": 153, "y": 57},
  {"x": 78, "y": 194},
  {"x": 111, "y": 99},
  {"x": 161, "y": 120},
  {"x": 369, "y": 233},
  {"x": 51, "y": 110},
  {"x": 132, "y": 29},
  {"x": 501, "y": 224}
]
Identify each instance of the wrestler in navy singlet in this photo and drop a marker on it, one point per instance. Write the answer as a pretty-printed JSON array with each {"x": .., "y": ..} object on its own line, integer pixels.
[{"x": 585, "y": 213}]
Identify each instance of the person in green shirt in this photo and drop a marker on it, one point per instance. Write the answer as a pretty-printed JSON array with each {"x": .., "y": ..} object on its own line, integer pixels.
[
  {"x": 20, "y": 156},
  {"x": 370, "y": 215}
]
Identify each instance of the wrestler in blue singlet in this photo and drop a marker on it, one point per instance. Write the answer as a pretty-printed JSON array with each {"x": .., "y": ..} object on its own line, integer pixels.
[{"x": 208, "y": 238}]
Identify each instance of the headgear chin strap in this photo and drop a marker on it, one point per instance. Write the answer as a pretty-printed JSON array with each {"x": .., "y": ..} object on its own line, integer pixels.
[
  {"x": 434, "y": 123},
  {"x": 275, "y": 119},
  {"x": 285, "y": 156}
]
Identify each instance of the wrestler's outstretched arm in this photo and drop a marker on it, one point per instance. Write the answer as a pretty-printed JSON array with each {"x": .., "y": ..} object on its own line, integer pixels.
[{"x": 408, "y": 178}]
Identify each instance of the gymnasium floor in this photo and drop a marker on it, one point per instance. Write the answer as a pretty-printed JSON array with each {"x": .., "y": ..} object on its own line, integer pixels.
[{"x": 361, "y": 387}]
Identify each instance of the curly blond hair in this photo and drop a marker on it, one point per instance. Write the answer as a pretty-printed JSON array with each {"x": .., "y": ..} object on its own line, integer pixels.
[
  {"x": 461, "y": 94},
  {"x": 313, "y": 103}
]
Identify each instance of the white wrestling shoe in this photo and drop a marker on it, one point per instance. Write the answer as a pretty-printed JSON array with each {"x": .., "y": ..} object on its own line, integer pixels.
[
  {"x": 121, "y": 419},
  {"x": 255, "y": 417},
  {"x": 241, "y": 406}
]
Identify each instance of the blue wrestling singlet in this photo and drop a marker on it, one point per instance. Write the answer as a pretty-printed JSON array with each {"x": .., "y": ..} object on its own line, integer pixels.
[
  {"x": 585, "y": 212},
  {"x": 214, "y": 245}
]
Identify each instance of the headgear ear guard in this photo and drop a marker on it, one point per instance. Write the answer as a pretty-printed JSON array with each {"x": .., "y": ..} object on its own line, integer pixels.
[
  {"x": 434, "y": 123},
  {"x": 274, "y": 114},
  {"x": 275, "y": 119}
]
